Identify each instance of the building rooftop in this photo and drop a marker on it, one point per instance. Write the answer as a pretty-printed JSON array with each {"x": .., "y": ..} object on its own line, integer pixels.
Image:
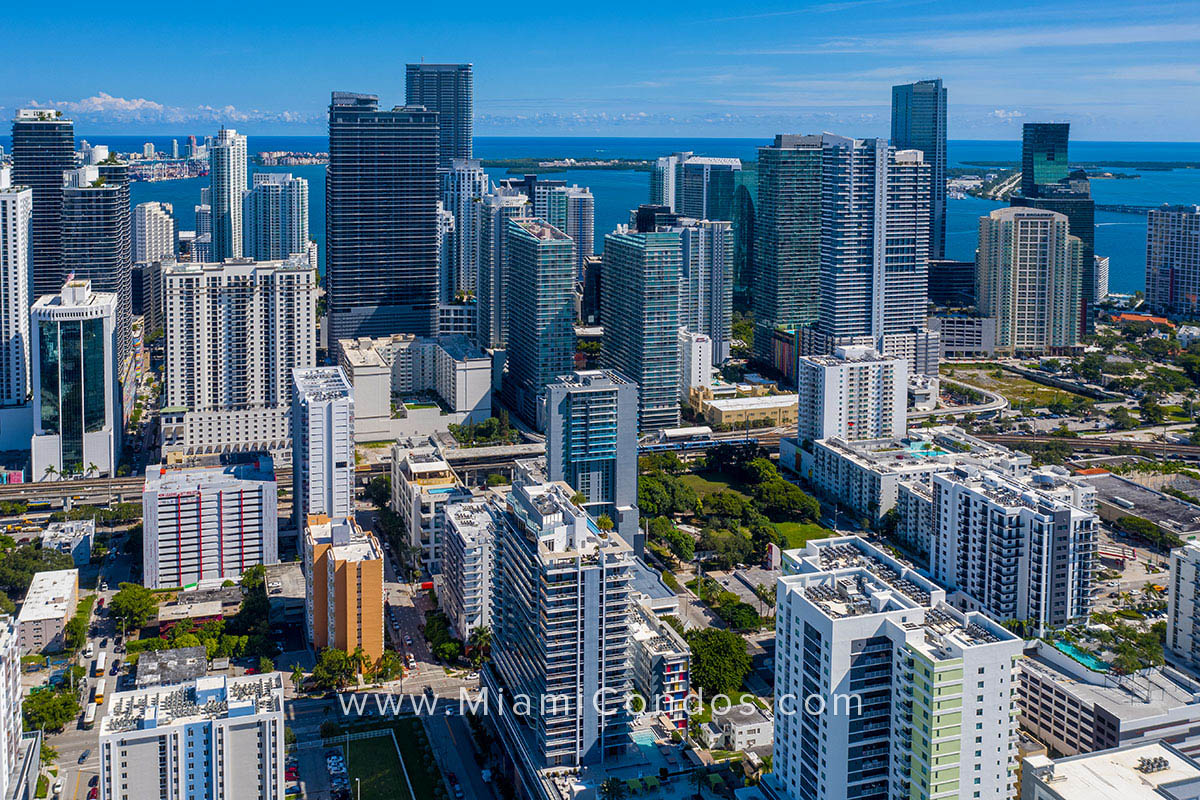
[
  {"x": 751, "y": 403},
  {"x": 658, "y": 637},
  {"x": 349, "y": 541},
  {"x": 51, "y": 595},
  {"x": 168, "y": 667},
  {"x": 321, "y": 383},
  {"x": 850, "y": 355},
  {"x": 1150, "y": 693},
  {"x": 927, "y": 449},
  {"x": 164, "y": 478},
  {"x": 743, "y": 714},
  {"x": 592, "y": 379},
  {"x": 285, "y": 581},
  {"x": 1137, "y": 772},
  {"x": 562, "y": 528},
  {"x": 296, "y": 263},
  {"x": 460, "y": 348},
  {"x": 1178, "y": 516},
  {"x": 472, "y": 521},
  {"x": 846, "y": 576},
  {"x": 59, "y": 535},
  {"x": 540, "y": 229},
  {"x": 201, "y": 700}
]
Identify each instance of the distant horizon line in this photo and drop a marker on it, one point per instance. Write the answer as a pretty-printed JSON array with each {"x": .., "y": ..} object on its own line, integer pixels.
[{"x": 85, "y": 134}]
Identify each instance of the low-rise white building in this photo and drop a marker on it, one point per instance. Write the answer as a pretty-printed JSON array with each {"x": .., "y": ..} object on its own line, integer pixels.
[
  {"x": 1154, "y": 771},
  {"x": 49, "y": 604},
  {"x": 71, "y": 537},
  {"x": 744, "y": 727},
  {"x": 1072, "y": 708},
  {"x": 215, "y": 737},
  {"x": 385, "y": 371}
]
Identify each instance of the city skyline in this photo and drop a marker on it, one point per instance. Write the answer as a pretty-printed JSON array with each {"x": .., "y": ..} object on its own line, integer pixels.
[{"x": 734, "y": 74}]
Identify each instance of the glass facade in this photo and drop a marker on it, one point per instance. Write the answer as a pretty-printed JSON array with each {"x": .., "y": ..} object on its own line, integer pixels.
[
  {"x": 43, "y": 147},
  {"x": 1043, "y": 155},
  {"x": 93, "y": 375},
  {"x": 787, "y": 238},
  {"x": 71, "y": 382},
  {"x": 48, "y": 360},
  {"x": 381, "y": 197},
  {"x": 919, "y": 123}
]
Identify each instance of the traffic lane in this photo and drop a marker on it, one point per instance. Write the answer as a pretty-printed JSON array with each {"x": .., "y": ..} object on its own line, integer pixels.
[{"x": 455, "y": 750}]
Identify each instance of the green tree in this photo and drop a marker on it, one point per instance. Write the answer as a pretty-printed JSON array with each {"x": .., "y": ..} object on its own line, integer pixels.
[
  {"x": 133, "y": 604},
  {"x": 604, "y": 522},
  {"x": 265, "y": 664},
  {"x": 613, "y": 789},
  {"x": 389, "y": 666},
  {"x": 297, "y": 677},
  {"x": 334, "y": 669},
  {"x": 379, "y": 490},
  {"x": 49, "y": 710},
  {"x": 720, "y": 661}
]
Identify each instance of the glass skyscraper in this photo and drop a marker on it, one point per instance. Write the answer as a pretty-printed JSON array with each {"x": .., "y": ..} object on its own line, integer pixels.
[
  {"x": 381, "y": 199},
  {"x": 787, "y": 238},
  {"x": 541, "y": 331},
  {"x": 1173, "y": 260},
  {"x": 591, "y": 439},
  {"x": 449, "y": 90},
  {"x": 919, "y": 123},
  {"x": 96, "y": 232},
  {"x": 227, "y": 173},
  {"x": 492, "y": 292},
  {"x": 75, "y": 391},
  {"x": 640, "y": 306},
  {"x": 43, "y": 148},
  {"x": 1043, "y": 155}
]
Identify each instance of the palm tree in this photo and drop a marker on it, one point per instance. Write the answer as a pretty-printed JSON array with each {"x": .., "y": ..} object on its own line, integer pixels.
[
  {"x": 604, "y": 523},
  {"x": 479, "y": 641},
  {"x": 297, "y": 677},
  {"x": 92, "y": 469},
  {"x": 696, "y": 779},
  {"x": 50, "y": 470},
  {"x": 359, "y": 659}
]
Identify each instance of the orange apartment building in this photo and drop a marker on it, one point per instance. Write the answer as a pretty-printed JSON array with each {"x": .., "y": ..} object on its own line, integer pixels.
[{"x": 343, "y": 570}]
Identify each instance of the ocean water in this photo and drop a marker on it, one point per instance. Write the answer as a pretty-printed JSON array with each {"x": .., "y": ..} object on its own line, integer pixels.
[{"x": 1122, "y": 237}]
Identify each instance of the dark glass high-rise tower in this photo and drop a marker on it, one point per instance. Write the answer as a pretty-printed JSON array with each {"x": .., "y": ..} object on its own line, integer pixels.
[
  {"x": 381, "y": 196},
  {"x": 449, "y": 90},
  {"x": 43, "y": 148},
  {"x": 96, "y": 238},
  {"x": 1043, "y": 155},
  {"x": 787, "y": 238},
  {"x": 1048, "y": 183},
  {"x": 919, "y": 123}
]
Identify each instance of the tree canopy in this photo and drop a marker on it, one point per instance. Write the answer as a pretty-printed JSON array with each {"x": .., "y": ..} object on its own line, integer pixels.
[{"x": 720, "y": 661}]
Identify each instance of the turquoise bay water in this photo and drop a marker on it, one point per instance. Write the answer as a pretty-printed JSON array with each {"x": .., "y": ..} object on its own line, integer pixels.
[{"x": 1122, "y": 237}]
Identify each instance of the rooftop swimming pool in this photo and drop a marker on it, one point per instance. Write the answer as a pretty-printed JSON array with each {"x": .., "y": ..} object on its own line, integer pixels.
[
  {"x": 1084, "y": 657},
  {"x": 923, "y": 450}
]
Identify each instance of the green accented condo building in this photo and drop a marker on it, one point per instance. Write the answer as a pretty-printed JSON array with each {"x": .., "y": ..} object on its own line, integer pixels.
[
  {"x": 541, "y": 335},
  {"x": 883, "y": 690},
  {"x": 640, "y": 307}
]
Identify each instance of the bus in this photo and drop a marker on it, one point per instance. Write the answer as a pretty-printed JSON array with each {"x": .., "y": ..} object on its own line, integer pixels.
[
  {"x": 98, "y": 667},
  {"x": 89, "y": 718},
  {"x": 100, "y": 692}
]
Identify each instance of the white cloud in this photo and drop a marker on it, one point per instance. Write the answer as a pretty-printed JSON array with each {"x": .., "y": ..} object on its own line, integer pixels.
[
  {"x": 106, "y": 108},
  {"x": 1002, "y": 113}
]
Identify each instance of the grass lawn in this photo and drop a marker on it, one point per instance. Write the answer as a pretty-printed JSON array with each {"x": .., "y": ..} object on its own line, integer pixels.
[
  {"x": 796, "y": 534},
  {"x": 710, "y": 481},
  {"x": 422, "y": 771},
  {"x": 1013, "y": 387},
  {"x": 374, "y": 762}
]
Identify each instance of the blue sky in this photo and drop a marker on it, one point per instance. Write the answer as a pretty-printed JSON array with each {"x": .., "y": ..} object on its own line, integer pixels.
[{"x": 1115, "y": 70}]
